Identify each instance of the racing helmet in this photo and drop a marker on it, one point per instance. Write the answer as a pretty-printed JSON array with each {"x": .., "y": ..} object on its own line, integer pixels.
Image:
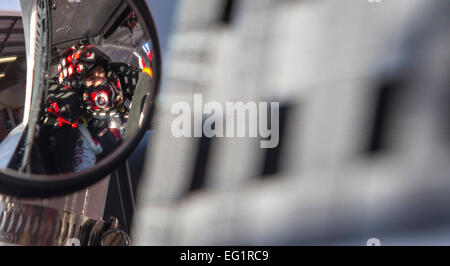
[{"x": 77, "y": 64}]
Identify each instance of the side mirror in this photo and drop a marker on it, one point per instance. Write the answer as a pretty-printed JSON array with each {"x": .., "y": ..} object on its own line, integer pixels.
[{"x": 93, "y": 73}]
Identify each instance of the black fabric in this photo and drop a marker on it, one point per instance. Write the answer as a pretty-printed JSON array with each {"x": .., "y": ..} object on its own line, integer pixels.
[
  {"x": 68, "y": 102},
  {"x": 65, "y": 142},
  {"x": 57, "y": 146},
  {"x": 96, "y": 125},
  {"x": 108, "y": 143},
  {"x": 100, "y": 132}
]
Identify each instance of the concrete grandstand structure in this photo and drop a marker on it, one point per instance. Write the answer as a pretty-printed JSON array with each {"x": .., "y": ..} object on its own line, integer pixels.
[{"x": 364, "y": 143}]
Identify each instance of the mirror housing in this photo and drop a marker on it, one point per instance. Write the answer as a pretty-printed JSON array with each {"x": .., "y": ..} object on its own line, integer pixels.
[{"x": 28, "y": 185}]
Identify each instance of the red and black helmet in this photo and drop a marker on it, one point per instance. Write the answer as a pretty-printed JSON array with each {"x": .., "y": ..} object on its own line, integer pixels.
[
  {"x": 79, "y": 60},
  {"x": 75, "y": 66}
]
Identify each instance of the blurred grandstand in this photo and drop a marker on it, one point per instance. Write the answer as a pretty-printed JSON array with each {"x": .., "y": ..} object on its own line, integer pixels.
[{"x": 364, "y": 122}]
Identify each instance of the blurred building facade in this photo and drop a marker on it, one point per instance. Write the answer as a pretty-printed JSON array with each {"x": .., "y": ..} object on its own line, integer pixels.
[{"x": 364, "y": 135}]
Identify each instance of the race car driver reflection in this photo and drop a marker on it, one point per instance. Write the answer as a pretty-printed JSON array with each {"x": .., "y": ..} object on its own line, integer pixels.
[{"x": 89, "y": 106}]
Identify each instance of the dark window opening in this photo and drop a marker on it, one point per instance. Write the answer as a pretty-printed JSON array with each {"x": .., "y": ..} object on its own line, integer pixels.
[
  {"x": 201, "y": 162},
  {"x": 272, "y": 159},
  {"x": 228, "y": 12},
  {"x": 383, "y": 109}
]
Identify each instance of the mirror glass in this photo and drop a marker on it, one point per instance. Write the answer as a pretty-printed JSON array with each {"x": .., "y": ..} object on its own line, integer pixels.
[{"x": 75, "y": 79}]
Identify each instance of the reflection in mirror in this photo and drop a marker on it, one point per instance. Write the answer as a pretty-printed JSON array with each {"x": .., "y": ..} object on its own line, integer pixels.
[{"x": 90, "y": 72}]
